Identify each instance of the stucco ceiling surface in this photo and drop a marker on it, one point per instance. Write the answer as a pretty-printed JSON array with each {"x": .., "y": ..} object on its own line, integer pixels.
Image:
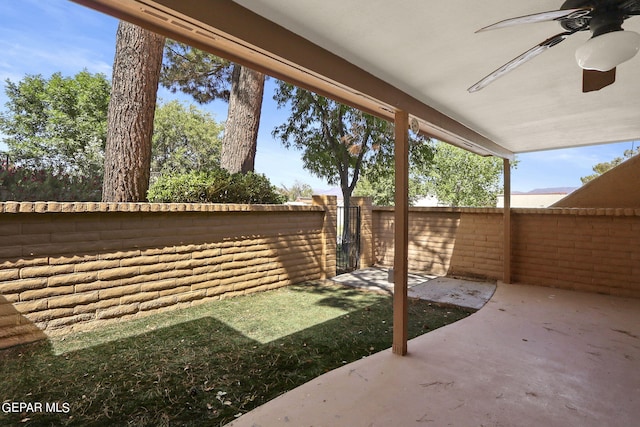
[{"x": 429, "y": 49}]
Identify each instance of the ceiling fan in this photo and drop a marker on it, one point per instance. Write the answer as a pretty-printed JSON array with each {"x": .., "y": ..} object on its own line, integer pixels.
[{"x": 608, "y": 47}]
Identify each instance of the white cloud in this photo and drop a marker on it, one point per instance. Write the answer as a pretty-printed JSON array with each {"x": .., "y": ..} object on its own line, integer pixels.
[
  {"x": 20, "y": 59},
  {"x": 43, "y": 37}
]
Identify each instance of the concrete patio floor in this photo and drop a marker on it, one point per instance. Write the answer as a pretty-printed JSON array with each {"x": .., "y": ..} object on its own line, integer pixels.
[
  {"x": 445, "y": 290},
  {"x": 532, "y": 356}
]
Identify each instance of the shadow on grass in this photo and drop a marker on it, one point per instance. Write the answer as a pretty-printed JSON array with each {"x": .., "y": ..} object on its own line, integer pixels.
[
  {"x": 337, "y": 296},
  {"x": 199, "y": 372}
]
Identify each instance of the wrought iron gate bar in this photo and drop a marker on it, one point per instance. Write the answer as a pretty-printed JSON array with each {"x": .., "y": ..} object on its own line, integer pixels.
[{"x": 348, "y": 244}]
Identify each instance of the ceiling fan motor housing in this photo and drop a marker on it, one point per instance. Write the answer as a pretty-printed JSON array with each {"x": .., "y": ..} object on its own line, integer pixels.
[
  {"x": 606, "y": 22},
  {"x": 604, "y": 17},
  {"x": 608, "y": 47},
  {"x": 579, "y": 21}
]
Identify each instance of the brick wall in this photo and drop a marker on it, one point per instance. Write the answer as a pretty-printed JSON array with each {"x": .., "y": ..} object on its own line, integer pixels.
[
  {"x": 366, "y": 231},
  {"x": 66, "y": 265},
  {"x": 595, "y": 250},
  {"x": 466, "y": 242}
]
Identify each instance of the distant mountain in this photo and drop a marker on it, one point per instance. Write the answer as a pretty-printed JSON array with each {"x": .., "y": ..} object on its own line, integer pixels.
[{"x": 550, "y": 190}]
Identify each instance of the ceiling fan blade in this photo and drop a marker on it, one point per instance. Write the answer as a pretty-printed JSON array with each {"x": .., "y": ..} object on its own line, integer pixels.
[
  {"x": 553, "y": 15},
  {"x": 630, "y": 7},
  {"x": 516, "y": 62},
  {"x": 593, "y": 80}
]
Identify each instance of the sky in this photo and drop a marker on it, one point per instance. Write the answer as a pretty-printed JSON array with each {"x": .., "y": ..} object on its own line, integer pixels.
[{"x": 48, "y": 36}]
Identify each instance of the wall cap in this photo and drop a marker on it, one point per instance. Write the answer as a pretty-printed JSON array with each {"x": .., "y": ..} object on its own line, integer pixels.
[
  {"x": 442, "y": 209},
  {"x": 579, "y": 211},
  {"x": 84, "y": 207},
  {"x": 524, "y": 211}
]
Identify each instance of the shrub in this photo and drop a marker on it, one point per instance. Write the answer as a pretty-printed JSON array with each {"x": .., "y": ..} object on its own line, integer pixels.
[
  {"x": 29, "y": 184},
  {"x": 215, "y": 186}
]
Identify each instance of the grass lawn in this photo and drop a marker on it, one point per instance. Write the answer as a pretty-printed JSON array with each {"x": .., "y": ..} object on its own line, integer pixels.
[{"x": 203, "y": 365}]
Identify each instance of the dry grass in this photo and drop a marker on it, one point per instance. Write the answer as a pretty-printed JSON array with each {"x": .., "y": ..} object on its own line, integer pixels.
[{"x": 204, "y": 365}]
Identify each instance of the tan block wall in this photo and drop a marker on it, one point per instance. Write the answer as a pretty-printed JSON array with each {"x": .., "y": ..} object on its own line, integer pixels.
[
  {"x": 63, "y": 266},
  {"x": 593, "y": 250},
  {"x": 617, "y": 188},
  {"x": 445, "y": 241},
  {"x": 329, "y": 234},
  {"x": 366, "y": 230}
]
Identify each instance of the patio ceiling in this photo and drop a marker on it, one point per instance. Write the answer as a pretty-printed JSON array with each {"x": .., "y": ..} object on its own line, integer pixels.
[{"x": 418, "y": 56}]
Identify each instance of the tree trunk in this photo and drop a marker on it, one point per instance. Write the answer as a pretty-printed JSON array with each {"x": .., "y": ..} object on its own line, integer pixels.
[
  {"x": 240, "y": 138},
  {"x": 136, "y": 71}
]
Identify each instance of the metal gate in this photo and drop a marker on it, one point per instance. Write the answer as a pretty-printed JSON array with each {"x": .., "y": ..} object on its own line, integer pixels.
[{"x": 348, "y": 248}]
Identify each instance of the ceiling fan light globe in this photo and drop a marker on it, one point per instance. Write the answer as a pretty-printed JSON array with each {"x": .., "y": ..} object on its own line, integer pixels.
[{"x": 607, "y": 51}]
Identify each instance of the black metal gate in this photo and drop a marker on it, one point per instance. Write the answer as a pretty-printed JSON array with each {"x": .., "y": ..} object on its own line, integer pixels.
[{"x": 348, "y": 248}]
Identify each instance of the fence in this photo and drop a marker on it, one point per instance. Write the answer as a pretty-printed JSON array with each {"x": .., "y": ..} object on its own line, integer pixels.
[
  {"x": 348, "y": 239},
  {"x": 595, "y": 250},
  {"x": 66, "y": 266}
]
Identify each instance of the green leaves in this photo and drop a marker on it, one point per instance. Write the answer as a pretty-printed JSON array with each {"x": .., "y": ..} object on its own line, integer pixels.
[
  {"x": 298, "y": 189},
  {"x": 601, "y": 168},
  {"x": 56, "y": 131},
  {"x": 454, "y": 176},
  {"x": 461, "y": 178},
  {"x": 27, "y": 184},
  {"x": 200, "y": 74},
  {"x": 215, "y": 186},
  {"x": 185, "y": 138},
  {"x": 58, "y": 124},
  {"x": 337, "y": 141}
]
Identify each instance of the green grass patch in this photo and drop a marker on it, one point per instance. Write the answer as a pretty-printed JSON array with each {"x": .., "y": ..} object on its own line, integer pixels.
[{"x": 207, "y": 364}]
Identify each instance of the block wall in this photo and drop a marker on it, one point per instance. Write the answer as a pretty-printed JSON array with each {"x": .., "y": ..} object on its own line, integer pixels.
[
  {"x": 593, "y": 250},
  {"x": 443, "y": 241},
  {"x": 329, "y": 234},
  {"x": 366, "y": 230},
  {"x": 63, "y": 266}
]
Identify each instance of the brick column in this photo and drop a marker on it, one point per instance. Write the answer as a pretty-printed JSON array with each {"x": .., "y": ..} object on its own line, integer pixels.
[
  {"x": 329, "y": 234},
  {"x": 366, "y": 230}
]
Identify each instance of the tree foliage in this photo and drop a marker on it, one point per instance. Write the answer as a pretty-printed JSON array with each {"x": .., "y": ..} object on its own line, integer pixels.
[
  {"x": 454, "y": 176},
  {"x": 202, "y": 75},
  {"x": 339, "y": 142},
  {"x": 57, "y": 124},
  {"x": 29, "y": 184},
  {"x": 336, "y": 140},
  {"x": 207, "y": 77},
  {"x": 382, "y": 188},
  {"x": 214, "y": 186},
  {"x": 461, "y": 178},
  {"x": 185, "y": 138},
  {"x": 56, "y": 129},
  {"x": 603, "y": 167},
  {"x": 296, "y": 190}
]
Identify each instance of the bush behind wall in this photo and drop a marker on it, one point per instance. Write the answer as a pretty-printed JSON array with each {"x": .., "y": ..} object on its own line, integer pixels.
[{"x": 214, "y": 186}]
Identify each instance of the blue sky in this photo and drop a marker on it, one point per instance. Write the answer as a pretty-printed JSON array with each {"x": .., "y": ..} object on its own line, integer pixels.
[{"x": 46, "y": 36}]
